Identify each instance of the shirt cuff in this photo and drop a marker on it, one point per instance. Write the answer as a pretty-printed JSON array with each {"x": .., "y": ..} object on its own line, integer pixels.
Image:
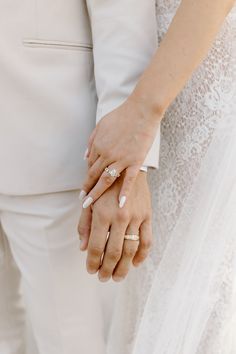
[{"x": 144, "y": 168}]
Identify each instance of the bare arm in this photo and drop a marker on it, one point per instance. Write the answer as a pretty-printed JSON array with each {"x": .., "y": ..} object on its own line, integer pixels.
[
  {"x": 186, "y": 43},
  {"x": 184, "y": 46}
]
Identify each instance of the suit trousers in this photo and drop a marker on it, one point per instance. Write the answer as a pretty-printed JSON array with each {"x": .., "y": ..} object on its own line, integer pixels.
[{"x": 43, "y": 278}]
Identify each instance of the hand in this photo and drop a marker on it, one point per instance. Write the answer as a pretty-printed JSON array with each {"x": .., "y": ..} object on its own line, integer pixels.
[
  {"x": 121, "y": 140},
  {"x": 113, "y": 257}
]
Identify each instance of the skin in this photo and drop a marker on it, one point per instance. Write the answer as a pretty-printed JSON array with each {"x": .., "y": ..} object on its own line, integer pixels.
[
  {"x": 134, "y": 218},
  {"x": 183, "y": 48},
  {"x": 135, "y": 134}
]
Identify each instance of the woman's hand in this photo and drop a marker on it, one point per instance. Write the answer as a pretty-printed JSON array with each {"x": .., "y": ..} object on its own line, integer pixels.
[
  {"x": 121, "y": 141},
  {"x": 114, "y": 257}
]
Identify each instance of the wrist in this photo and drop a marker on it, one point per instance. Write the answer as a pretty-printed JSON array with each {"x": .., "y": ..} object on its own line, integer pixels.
[
  {"x": 150, "y": 104},
  {"x": 143, "y": 175}
]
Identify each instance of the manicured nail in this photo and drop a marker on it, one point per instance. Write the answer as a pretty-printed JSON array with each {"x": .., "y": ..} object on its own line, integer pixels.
[
  {"x": 87, "y": 202},
  {"x": 122, "y": 201},
  {"x": 82, "y": 194},
  {"x": 86, "y": 154}
]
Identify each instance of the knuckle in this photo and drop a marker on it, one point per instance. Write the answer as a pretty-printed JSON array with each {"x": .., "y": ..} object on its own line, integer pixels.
[
  {"x": 114, "y": 254},
  {"x": 90, "y": 163},
  {"x": 146, "y": 244},
  {"x": 90, "y": 174},
  {"x": 129, "y": 252},
  {"x": 95, "y": 251},
  {"x": 83, "y": 230},
  {"x": 96, "y": 145},
  {"x": 107, "y": 180},
  {"x": 102, "y": 216},
  {"x": 136, "y": 220},
  {"x": 106, "y": 155},
  {"x": 122, "y": 215}
]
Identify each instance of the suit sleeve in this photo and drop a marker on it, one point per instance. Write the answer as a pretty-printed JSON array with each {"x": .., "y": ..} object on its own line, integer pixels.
[{"x": 124, "y": 40}]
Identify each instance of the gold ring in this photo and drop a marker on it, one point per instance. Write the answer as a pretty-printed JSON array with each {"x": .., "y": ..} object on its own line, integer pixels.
[{"x": 132, "y": 237}]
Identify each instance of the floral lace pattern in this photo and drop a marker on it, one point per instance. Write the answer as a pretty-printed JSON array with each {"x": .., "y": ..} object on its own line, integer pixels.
[
  {"x": 190, "y": 122},
  {"x": 187, "y": 131}
]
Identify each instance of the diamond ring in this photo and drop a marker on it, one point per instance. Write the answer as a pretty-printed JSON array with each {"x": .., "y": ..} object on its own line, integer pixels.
[{"x": 112, "y": 172}]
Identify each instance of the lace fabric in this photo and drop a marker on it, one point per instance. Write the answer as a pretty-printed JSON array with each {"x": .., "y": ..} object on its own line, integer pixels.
[{"x": 183, "y": 299}]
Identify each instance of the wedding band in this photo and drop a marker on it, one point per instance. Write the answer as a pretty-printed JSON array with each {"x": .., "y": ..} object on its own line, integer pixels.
[
  {"x": 112, "y": 172},
  {"x": 132, "y": 237}
]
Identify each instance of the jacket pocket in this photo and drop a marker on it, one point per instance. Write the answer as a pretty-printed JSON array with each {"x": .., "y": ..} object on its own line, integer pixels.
[{"x": 57, "y": 44}]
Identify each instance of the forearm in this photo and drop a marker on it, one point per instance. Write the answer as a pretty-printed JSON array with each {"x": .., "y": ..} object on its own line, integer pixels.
[{"x": 183, "y": 48}]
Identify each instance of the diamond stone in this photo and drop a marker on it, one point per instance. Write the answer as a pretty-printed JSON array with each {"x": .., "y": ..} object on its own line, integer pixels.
[{"x": 113, "y": 172}]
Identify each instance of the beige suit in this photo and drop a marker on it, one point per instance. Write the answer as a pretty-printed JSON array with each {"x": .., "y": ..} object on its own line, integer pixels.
[
  {"x": 63, "y": 66},
  {"x": 57, "y": 78}
]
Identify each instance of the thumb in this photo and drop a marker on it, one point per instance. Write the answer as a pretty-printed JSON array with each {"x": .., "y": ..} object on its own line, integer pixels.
[
  {"x": 84, "y": 228},
  {"x": 127, "y": 184}
]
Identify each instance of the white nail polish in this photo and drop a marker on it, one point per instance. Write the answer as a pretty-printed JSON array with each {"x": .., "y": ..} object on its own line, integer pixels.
[
  {"x": 87, "y": 202},
  {"x": 86, "y": 154},
  {"x": 122, "y": 201},
  {"x": 82, "y": 194}
]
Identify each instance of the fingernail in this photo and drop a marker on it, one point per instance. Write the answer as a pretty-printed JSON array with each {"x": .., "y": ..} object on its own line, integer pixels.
[
  {"x": 104, "y": 279},
  {"x": 82, "y": 244},
  {"x": 118, "y": 279},
  {"x": 86, "y": 154},
  {"x": 87, "y": 202},
  {"x": 91, "y": 271},
  {"x": 82, "y": 194},
  {"x": 122, "y": 201}
]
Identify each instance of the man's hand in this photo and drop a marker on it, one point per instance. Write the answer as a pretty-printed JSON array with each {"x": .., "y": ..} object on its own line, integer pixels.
[{"x": 113, "y": 257}]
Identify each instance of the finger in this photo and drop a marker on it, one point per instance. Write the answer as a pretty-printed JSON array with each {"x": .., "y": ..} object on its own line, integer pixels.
[
  {"x": 93, "y": 156},
  {"x": 129, "y": 250},
  {"x": 97, "y": 242},
  {"x": 129, "y": 178},
  {"x": 84, "y": 227},
  {"x": 104, "y": 182},
  {"x": 145, "y": 243},
  {"x": 93, "y": 176},
  {"x": 90, "y": 143},
  {"x": 113, "y": 251}
]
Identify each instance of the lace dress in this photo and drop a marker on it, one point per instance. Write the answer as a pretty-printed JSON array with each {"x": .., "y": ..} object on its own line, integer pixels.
[{"x": 182, "y": 300}]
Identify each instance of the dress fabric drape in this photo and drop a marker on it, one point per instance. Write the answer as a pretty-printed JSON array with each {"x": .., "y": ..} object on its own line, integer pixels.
[{"x": 182, "y": 300}]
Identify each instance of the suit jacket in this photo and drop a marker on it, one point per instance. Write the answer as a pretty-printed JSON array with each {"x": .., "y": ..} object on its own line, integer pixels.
[{"x": 63, "y": 66}]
